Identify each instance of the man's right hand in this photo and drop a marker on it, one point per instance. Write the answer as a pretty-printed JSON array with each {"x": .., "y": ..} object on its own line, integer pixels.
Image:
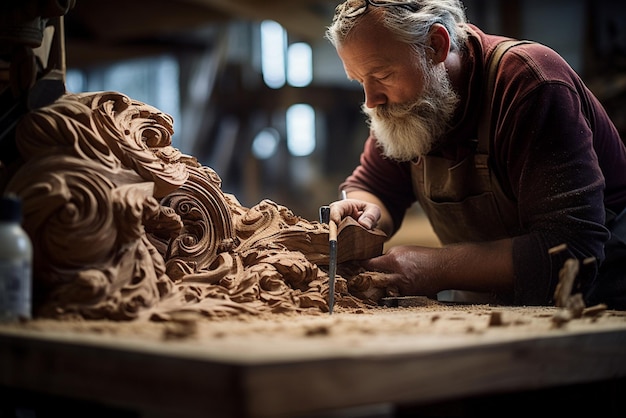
[
  {"x": 367, "y": 214},
  {"x": 368, "y": 210}
]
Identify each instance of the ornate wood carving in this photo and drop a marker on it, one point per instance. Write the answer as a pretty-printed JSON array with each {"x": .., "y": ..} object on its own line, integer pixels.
[{"x": 125, "y": 226}]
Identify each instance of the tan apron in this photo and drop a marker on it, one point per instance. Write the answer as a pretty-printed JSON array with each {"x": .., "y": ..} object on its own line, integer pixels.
[
  {"x": 464, "y": 203},
  {"x": 463, "y": 200}
]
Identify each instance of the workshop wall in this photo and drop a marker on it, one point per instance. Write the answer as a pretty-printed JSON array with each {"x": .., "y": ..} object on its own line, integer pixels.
[{"x": 209, "y": 76}]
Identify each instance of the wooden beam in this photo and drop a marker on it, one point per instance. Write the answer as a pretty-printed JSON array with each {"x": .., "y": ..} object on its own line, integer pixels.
[
  {"x": 307, "y": 19},
  {"x": 116, "y": 21}
]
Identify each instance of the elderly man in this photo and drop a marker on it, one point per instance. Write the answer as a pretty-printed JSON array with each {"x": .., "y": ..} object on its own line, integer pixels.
[{"x": 508, "y": 153}]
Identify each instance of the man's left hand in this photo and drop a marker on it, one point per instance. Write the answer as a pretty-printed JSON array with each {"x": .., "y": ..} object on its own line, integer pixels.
[{"x": 408, "y": 269}]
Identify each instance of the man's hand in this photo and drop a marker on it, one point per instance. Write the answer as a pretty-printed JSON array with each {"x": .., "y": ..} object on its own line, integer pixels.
[
  {"x": 367, "y": 214},
  {"x": 425, "y": 271},
  {"x": 368, "y": 210},
  {"x": 408, "y": 269}
]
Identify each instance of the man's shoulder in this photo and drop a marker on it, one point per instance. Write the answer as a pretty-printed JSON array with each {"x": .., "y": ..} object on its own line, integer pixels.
[{"x": 530, "y": 60}]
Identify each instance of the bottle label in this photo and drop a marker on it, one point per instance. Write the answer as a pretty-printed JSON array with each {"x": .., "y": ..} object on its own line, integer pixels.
[{"x": 15, "y": 289}]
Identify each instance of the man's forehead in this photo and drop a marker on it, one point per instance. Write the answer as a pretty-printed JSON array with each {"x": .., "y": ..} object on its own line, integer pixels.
[
  {"x": 371, "y": 30},
  {"x": 371, "y": 43}
]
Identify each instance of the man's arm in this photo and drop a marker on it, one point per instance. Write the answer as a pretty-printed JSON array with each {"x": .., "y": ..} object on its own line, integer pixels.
[{"x": 414, "y": 270}]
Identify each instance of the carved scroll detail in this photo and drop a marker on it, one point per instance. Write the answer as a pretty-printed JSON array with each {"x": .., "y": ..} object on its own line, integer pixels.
[{"x": 125, "y": 226}]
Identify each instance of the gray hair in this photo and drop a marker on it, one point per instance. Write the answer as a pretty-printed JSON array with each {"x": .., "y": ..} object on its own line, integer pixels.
[{"x": 411, "y": 27}]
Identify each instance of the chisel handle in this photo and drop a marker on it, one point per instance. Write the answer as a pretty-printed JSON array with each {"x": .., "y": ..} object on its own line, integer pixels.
[{"x": 332, "y": 231}]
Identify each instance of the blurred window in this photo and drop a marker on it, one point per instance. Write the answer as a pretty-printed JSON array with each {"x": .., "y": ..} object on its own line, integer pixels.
[
  {"x": 273, "y": 45},
  {"x": 300, "y": 130},
  {"x": 154, "y": 81}
]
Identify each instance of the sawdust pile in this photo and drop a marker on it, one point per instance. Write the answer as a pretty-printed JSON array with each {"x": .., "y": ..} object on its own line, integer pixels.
[{"x": 347, "y": 327}]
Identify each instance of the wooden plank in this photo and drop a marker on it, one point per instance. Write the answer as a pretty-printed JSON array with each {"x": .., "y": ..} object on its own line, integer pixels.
[
  {"x": 153, "y": 383},
  {"x": 297, "y": 365},
  {"x": 297, "y": 388}
]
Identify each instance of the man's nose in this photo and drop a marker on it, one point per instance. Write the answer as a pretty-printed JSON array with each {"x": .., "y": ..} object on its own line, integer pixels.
[{"x": 374, "y": 97}]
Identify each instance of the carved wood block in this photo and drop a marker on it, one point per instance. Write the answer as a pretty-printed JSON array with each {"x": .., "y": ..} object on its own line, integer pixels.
[{"x": 124, "y": 226}]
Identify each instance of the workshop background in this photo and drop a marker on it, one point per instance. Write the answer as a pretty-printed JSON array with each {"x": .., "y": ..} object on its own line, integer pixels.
[{"x": 260, "y": 96}]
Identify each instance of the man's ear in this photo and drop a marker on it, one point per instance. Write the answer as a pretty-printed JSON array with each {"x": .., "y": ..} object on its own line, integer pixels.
[{"x": 439, "y": 43}]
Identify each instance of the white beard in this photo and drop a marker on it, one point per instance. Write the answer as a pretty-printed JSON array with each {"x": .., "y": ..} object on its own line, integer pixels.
[{"x": 410, "y": 130}]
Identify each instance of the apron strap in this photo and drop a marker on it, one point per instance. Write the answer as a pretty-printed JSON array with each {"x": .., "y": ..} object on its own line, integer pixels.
[{"x": 484, "y": 128}]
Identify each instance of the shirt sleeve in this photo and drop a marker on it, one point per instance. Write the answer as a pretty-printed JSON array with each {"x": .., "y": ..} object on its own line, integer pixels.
[{"x": 553, "y": 171}]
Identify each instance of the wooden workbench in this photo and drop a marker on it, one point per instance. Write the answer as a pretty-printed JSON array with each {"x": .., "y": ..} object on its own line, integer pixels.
[{"x": 295, "y": 366}]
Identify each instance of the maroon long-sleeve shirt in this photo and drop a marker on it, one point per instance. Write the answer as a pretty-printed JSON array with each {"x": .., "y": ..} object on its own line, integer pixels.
[{"x": 555, "y": 153}]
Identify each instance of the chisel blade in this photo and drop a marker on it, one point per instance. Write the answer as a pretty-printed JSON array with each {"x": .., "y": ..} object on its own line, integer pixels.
[{"x": 332, "y": 260}]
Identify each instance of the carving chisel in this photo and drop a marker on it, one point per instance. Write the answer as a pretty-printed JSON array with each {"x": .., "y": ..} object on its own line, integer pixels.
[{"x": 332, "y": 263}]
